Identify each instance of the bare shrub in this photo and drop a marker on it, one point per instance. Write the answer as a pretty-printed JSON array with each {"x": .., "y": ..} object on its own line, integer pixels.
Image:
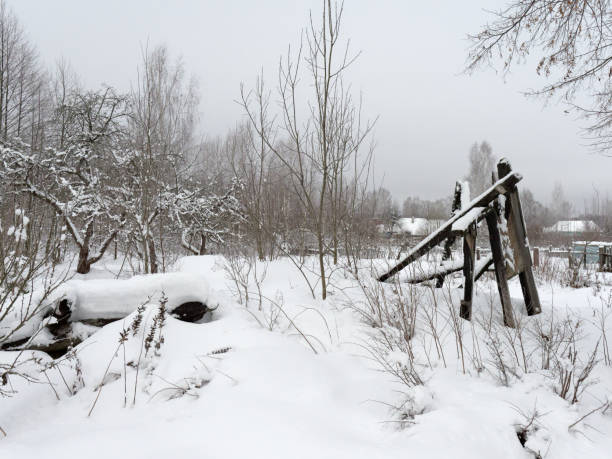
[
  {"x": 602, "y": 318},
  {"x": 574, "y": 375},
  {"x": 392, "y": 311},
  {"x": 528, "y": 426},
  {"x": 243, "y": 270}
]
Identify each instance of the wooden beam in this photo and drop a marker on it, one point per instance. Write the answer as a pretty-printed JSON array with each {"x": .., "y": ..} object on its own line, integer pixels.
[
  {"x": 497, "y": 252},
  {"x": 480, "y": 268},
  {"x": 518, "y": 237},
  {"x": 469, "y": 261},
  {"x": 503, "y": 185}
]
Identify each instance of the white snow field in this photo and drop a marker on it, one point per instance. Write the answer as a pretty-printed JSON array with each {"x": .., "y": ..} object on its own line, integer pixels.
[{"x": 307, "y": 381}]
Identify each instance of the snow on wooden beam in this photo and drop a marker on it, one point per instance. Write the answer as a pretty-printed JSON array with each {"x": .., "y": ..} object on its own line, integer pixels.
[
  {"x": 461, "y": 225},
  {"x": 447, "y": 268},
  {"x": 503, "y": 185}
]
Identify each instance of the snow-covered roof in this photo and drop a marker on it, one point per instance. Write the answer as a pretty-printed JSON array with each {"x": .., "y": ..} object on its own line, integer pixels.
[
  {"x": 593, "y": 243},
  {"x": 416, "y": 226},
  {"x": 573, "y": 226}
]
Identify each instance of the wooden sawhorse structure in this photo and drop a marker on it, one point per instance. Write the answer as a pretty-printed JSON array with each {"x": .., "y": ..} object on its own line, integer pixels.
[{"x": 500, "y": 206}]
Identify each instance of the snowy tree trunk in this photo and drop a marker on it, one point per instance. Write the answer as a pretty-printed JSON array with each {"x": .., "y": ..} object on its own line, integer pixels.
[
  {"x": 83, "y": 265},
  {"x": 259, "y": 245},
  {"x": 202, "y": 244},
  {"x": 153, "y": 268}
]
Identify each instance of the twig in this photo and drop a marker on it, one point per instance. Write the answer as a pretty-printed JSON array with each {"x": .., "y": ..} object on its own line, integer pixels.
[
  {"x": 50, "y": 384},
  {"x": 102, "y": 382},
  {"x": 602, "y": 407}
]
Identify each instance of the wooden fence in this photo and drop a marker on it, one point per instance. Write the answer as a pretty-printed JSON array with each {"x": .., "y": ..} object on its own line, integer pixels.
[{"x": 605, "y": 258}]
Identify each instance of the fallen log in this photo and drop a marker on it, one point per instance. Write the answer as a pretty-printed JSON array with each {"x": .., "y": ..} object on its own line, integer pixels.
[
  {"x": 82, "y": 307},
  {"x": 58, "y": 337}
]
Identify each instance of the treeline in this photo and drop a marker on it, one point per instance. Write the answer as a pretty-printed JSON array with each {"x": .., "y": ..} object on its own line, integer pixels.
[
  {"x": 90, "y": 171},
  {"x": 538, "y": 215}
]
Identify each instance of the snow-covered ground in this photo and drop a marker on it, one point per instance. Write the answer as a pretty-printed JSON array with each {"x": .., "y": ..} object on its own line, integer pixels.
[{"x": 303, "y": 378}]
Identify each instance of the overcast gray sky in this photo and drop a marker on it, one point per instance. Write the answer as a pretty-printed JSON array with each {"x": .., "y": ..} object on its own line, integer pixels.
[{"x": 409, "y": 73}]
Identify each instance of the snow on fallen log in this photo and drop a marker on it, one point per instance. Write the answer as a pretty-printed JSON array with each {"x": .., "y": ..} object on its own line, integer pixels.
[
  {"x": 104, "y": 299},
  {"x": 79, "y": 308}
]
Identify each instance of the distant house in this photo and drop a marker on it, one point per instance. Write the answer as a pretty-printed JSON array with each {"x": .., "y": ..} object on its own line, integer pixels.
[
  {"x": 416, "y": 226},
  {"x": 573, "y": 227}
]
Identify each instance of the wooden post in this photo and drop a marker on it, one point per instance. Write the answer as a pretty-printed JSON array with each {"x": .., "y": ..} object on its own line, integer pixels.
[
  {"x": 602, "y": 258},
  {"x": 518, "y": 233},
  {"x": 469, "y": 256},
  {"x": 448, "y": 244},
  {"x": 536, "y": 257},
  {"x": 500, "y": 268}
]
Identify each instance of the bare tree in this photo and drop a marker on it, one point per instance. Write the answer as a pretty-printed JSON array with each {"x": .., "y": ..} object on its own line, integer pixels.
[
  {"x": 253, "y": 162},
  {"x": 316, "y": 148},
  {"x": 77, "y": 182},
  {"x": 64, "y": 85},
  {"x": 561, "y": 207},
  {"x": 23, "y": 94},
  {"x": 162, "y": 113},
  {"x": 482, "y": 165},
  {"x": 573, "y": 38}
]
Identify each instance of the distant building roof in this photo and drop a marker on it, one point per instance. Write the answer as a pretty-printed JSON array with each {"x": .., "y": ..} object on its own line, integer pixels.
[
  {"x": 416, "y": 226},
  {"x": 573, "y": 226}
]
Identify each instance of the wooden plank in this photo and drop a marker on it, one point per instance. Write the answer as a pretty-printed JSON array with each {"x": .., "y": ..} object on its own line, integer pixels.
[
  {"x": 447, "y": 268},
  {"x": 480, "y": 268},
  {"x": 501, "y": 186},
  {"x": 530, "y": 292},
  {"x": 469, "y": 260},
  {"x": 500, "y": 268},
  {"x": 517, "y": 228},
  {"x": 483, "y": 267},
  {"x": 420, "y": 249}
]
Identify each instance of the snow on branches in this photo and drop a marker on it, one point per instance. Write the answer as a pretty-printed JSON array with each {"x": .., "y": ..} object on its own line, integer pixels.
[
  {"x": 74, "y": 186},
  {"x": 209, "y": 218}
]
